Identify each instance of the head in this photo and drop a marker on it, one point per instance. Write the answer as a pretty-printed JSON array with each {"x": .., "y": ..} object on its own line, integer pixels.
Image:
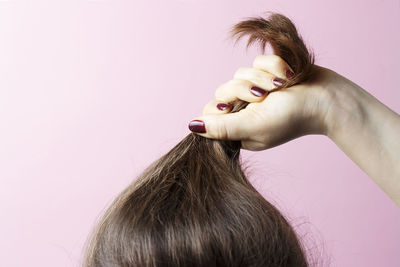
[{"x": 194, "y": 206}]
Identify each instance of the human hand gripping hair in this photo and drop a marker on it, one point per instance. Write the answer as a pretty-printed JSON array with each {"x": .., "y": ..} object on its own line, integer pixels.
[
  {"x": 195, "y": 206},
  {"x": 288, "y": 97},
  {"x": 266, "y": 121}
]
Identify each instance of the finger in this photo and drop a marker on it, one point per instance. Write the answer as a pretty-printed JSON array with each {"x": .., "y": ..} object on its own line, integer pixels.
[
  {"x": 273, "y": 64},
  {"x": 259, "y": 78},
  {"x": 230, "y": 126},
  {"x": 216, "y": 107},
  {"x": 239, "y": 89}
]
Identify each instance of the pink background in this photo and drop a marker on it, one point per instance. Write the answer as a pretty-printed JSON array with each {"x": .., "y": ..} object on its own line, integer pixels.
[{"x": 91, "y": 92}]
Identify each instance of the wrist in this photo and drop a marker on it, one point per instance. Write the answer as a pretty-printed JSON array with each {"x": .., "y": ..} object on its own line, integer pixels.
[{"x": 343, "y": 107}]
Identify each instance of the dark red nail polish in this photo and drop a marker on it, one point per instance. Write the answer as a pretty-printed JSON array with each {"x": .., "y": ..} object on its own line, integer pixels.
[
  {"x": 289, "y": 74},
  {"x": 222, "y": 106},
  {"x": 278, "y": 81},
  {"x": 257, "y": 91},
  {"x": 197, "y": 126}
]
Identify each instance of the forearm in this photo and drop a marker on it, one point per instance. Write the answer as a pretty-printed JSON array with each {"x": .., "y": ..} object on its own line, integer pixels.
[{"x": 369, "y": 133}]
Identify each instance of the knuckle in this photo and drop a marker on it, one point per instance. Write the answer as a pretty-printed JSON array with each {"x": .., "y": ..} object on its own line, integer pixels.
[
  {"x": 239, "y": 72},
  {"x": 226, "y": 92},
  {"x": 219, "y": 130},
  {"x": 211, "y": 107},
  {"x": 258, "y": 75},
  {"x": 274, "y": 57},
  {"x": 220, "y": 92},
  {"x": 258, "y": 59},
  {"x": 276, "y": 60}
]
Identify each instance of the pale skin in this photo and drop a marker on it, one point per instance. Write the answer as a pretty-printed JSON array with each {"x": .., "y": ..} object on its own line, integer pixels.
[{"x": 366, "y": 130}]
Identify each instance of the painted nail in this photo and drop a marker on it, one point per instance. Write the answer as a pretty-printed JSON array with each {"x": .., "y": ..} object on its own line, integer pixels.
[
  {"x": 289, "y": 74},
  {"x": 278, "y": 81},
  {"x": 257, "y": 91},
  {"x": 222, "y": 106},
  {"x": 197, "y": 126}
]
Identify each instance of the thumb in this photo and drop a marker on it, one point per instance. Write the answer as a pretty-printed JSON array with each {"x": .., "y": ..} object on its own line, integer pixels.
[{"x": 230, "y": 126}]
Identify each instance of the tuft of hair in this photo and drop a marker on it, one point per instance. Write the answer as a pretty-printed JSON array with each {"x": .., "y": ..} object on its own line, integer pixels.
[
  {"x": 194, "y": 206},
  {"x": 282, "y": 36}
]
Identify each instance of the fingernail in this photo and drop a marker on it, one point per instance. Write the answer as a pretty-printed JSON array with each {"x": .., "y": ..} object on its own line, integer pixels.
[
  {"x": 222, "y": 106},
  {"x": 289, "y": 74},
  {"x": 197, "y": 126},
  {"x": 257, "y": 91},
  {"x": 278, "y": 81}
]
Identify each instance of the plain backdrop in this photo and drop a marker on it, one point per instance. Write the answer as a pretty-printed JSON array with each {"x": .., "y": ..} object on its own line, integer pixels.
[{"x": 91, "y": 92}]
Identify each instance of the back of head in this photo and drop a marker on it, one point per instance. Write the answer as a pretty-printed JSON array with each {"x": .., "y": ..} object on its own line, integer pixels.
[{"x": 194, "y": 206}]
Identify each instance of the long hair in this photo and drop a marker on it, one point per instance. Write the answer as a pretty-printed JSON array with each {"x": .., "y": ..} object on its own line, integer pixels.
[{"x": 194, "y": 206}]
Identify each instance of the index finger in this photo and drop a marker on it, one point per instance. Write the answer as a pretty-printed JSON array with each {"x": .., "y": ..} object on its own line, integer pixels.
[{"x": 273, "y": 64}]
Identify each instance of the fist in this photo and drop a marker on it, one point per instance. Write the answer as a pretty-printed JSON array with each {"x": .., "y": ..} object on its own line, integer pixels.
[{"x": 273, "y": 116}]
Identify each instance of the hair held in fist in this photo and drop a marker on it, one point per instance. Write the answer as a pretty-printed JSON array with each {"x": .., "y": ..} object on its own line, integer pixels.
[{"x": 195, "y": 206}]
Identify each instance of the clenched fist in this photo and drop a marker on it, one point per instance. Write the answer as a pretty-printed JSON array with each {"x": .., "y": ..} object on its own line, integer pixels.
[{"x": 272, "y": 117}]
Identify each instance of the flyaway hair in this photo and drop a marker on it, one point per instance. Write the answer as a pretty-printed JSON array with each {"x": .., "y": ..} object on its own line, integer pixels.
[{"x": 194, "y": 206}]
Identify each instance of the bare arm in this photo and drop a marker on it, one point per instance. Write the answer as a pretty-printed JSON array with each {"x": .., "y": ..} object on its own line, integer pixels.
[
  {"x": 329, "y": 104},
  {"x": 368, "y": 132}
]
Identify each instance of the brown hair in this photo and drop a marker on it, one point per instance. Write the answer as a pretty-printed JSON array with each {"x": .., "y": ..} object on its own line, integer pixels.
[{"x": 194, "y": 206}]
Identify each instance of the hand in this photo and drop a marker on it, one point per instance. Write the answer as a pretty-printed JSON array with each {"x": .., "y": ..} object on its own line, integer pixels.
[
  {"x": 328, "y": 103},
  {"x": 271, "y": 117}
]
